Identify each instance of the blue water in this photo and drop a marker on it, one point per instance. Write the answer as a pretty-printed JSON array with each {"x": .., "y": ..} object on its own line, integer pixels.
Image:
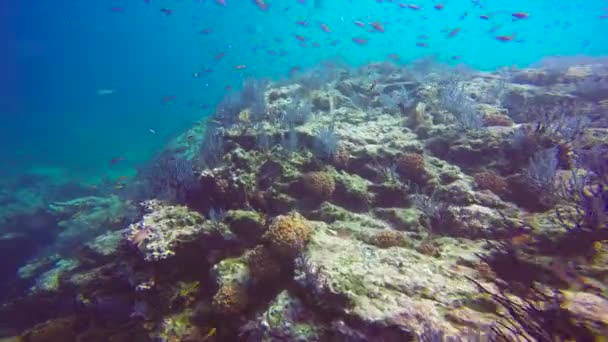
[{"x": 61, "y": 53}]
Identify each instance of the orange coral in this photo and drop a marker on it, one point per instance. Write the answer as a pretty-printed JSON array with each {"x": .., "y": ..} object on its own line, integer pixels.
[
  {"x": 320, "y": 185},
  {"x": 411, "y": 166},
  {"x": 229, "y": 299},
  {"x": 262, "y": 264},
  {"x": 491, "y": 181},
  {"x": 388, "y": 238},
  {"x": 288, "y": 235}
]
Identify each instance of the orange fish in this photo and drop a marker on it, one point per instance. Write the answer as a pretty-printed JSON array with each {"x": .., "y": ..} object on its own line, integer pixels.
[
  {"x": 240, "y": 67},
  {"x": 438, "y": 7},
  {"x": 219, "y": 56}
]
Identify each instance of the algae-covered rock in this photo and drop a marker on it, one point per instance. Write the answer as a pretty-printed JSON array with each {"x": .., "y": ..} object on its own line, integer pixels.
[
  {"x": 164, "y": 228},
  {"x": 405, "y": 219},
  {"x": 287, "y": 317},
  {"x": 231, "y": 271},
  {"x": 387, "y": 288},
  {"x": 59, "y": 329},
  {"x": 106, "y": 244},
  {"x": 246, "y": 224},
  {"x": 86, "y": 217},
  {"x": 50, "y": 280}
]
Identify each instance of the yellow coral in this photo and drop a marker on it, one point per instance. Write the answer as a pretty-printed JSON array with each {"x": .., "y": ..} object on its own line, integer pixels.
[{"x": 288, "y": 235}]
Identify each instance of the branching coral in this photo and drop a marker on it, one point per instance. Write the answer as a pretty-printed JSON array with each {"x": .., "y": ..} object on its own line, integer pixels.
[{"x": 288, "y": 235}]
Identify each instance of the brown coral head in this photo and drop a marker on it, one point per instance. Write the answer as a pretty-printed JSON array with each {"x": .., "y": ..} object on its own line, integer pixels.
[
  {"x": 263, "y": 265},
  {"x": 491, "y": 181},
  {"x": 412, "y": 166},
  {"x": 319, "y": 185},
  {"x": 497, "y": 120},
  {"x": 388, "y": 238},
  {"x": 230, "y": 299},
  {"x": 288, "y": 235}
]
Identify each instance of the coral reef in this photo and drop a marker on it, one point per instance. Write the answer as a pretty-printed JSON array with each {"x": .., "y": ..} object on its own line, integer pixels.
[{"x": 435, "y": 204}]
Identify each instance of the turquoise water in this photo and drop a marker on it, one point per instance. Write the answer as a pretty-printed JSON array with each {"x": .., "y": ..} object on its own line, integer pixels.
[{"x": 61, "y": 53}]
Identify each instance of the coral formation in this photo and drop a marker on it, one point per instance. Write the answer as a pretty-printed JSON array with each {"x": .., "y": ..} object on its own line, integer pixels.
[
  {"x": 163, "y": 229},
  {"x": 263, "y": 265},
  {"x": 412, "y": 166},
  {"x": 230, "y": 299},
  {"x": 288, "y": 234},
  {"x": 388, "y": 238},
  {"x": 320, "y": 185},
  {"x": 491, "y": 181}
]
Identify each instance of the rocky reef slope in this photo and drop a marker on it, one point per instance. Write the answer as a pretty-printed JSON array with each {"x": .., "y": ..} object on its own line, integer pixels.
[{"x": 377, "y": 204}]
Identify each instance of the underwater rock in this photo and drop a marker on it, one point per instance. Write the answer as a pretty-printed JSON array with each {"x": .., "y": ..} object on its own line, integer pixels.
[
  {"x": 84, "y": 218},
  {"x": 59, "y": 329},
  {"x": 232, "y": 271},
  {"x": 589, "y": 308},
  {"x": 404, "y": 219},
  {"x": 248, "y": 225},
  {"x": 286, "y": 318},
  {"x": 395, "y": 288},
  {"x": 107, "y": 244},
  {"x": 164, "y": 229},
  {"x": 50, "y": 280}
]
